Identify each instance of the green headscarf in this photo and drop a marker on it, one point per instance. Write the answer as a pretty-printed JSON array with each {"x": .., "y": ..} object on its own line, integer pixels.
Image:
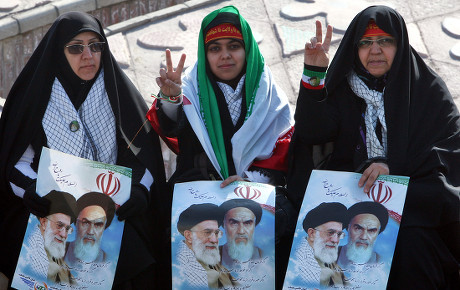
[{"x": 208, "y": 101}]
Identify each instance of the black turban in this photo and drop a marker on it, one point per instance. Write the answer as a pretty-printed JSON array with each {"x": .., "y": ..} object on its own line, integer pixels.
[
  {"x": 370, "y": 207},
  {"x": 247, "y": 203},
  {"x": 325, "y": 212},
  {"x": 62, "y": 202},
  {"x": 196, "y": 213},
  {"x": 100, "y": 199}
]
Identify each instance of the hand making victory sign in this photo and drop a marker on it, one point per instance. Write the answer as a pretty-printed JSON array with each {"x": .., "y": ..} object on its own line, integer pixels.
[
  {"x": 169, "y": 80},
  {"x": 317, "y": 54},
  {"x": 317, "y": 51}
]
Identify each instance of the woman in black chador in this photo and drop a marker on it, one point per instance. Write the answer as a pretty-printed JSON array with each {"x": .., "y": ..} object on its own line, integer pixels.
[
  {"x": 73, "y": 97},
  {"x": 386, "y": 112}
]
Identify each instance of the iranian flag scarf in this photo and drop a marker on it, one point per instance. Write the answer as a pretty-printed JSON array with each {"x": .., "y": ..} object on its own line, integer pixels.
[{"x": 208, "y": 102}]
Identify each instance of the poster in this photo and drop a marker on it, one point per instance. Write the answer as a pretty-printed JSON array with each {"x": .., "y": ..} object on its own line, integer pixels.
[
  {"x": 77, "y": 245},
  {"x": 223, "y": 238},
  {"x": 345, "y": 238}
]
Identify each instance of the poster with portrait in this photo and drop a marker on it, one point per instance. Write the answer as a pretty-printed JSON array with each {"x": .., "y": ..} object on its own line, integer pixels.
[
  {"x": 223, "y": 238},
  {"x": 344, "y": 237},
  {"x": 77, "y": 245}
]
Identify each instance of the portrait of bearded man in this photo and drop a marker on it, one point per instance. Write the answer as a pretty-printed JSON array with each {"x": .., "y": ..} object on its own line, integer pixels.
[
  {"x": 198, "y": 254},
  {"x": 318, "y": 252},
  {"x": 367, "y": 220},
  {"x": 241, "y": 216},
  {"x": 47, "y": 241},
  {"x": 95, "y": 214}
]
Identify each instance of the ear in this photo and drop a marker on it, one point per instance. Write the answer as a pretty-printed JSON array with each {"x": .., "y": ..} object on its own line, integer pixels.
[
  {"x": 188, "y": 236},
  {"x": 311, "y": 234},
  {"x": 42, "y": 223}
]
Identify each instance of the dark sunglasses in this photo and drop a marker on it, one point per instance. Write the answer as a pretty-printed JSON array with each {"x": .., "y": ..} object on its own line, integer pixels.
[
  {"x": 382, "y": 42},
  {"x": 78, "y": 48}
]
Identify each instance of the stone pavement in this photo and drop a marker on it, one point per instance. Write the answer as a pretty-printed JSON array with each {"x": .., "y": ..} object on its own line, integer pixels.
[{"x": 281, "y": 28}]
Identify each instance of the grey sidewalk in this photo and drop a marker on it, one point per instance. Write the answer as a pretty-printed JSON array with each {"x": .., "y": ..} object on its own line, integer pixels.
[{"x": 282, "y": 27}]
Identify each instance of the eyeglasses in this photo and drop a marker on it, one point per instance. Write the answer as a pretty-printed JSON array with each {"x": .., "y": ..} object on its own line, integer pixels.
[
  {"x": 208, "y": 233},
  {"x": 78, "y": 48},
  {"x": 331, "y": 233},
  {"x": 60, "y": 226},
  {"x": 382, "y": 42},
  {"x": 85, "y": 224}
]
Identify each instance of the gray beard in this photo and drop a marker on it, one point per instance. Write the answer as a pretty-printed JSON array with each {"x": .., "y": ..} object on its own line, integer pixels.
[
  {"x": 86, "y": 252},
  {"x": 359, "y": 255},
  {"x": 322, "y": 253},
  {"x": 207, "y": 256},
  {"x": 55, "y": 249},
  {"x": 241, "y": 251}
]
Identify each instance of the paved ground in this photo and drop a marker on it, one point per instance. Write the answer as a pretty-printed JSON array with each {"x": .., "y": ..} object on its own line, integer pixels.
[{"x": 282, "y": 27}]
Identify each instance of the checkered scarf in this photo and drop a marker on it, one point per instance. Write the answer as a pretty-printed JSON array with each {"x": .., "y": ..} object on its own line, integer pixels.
[
  {"x": 233, "y": 98},
  {"x": 374, "y": 111},
  {"x": 95, "y": 139}
]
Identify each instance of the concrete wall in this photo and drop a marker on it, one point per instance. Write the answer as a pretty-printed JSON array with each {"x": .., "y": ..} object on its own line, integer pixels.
[{"x": 20, "y": 33}]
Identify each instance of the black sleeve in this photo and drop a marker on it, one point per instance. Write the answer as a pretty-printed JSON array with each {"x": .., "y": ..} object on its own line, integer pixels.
[
  {"x": 19, "y": 179},
  {"x": 316, "y": 118},
  {"x": 169, "y": 127},
  {"x": 127, "y": 158}
]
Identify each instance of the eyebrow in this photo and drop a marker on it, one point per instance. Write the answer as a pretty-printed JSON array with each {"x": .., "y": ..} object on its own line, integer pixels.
[
  {"x": 360, "y": 226},
  {"x": 245, "y": 221},
  {"x": 232, "y": 40},
  {"x": 80, "y": 40}
]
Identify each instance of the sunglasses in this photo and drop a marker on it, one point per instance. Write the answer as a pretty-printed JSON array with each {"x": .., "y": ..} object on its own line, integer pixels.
[
  {"x": 78, "y": 48},
  {"x": 382, "y": 42}
]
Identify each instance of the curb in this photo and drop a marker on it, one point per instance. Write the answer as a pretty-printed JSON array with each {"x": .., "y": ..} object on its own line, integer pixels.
[
  {"x": 157, "y": 15},
  {"x": 28, "y": 20}
]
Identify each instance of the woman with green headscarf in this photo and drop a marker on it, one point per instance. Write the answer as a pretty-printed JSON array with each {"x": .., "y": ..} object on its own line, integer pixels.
[{"x": 229, "y": 118}]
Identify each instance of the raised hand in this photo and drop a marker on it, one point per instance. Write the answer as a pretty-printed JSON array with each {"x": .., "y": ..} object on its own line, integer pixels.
[
  {"x": 169, "y": 80},
  {"x": 317, "y": 51}
]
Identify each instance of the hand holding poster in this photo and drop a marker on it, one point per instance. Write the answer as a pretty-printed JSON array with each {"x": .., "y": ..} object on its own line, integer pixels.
[
  {"x": 76, "y": 246},
  {"x": 344, "y": 237},
  {"x": 223, "y": 238}
]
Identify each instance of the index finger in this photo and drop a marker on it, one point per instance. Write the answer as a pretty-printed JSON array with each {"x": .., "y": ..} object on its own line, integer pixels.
[
  {"x": 168, "y": 61},
  {"x": 180, "y": 65},
  {"x": 319, "y": 33}
]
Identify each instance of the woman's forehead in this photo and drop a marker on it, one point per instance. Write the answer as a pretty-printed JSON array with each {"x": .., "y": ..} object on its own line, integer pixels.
[{"x": 87, "y": 35}]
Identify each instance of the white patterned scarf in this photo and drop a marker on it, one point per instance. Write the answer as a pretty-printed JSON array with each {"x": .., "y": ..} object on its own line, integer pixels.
[
  {"x": 233, "y": 98},
  {"x": 271, "y": 118},
  {"x": 374, "y": 111},
  {"x": 89, "y": 132}
]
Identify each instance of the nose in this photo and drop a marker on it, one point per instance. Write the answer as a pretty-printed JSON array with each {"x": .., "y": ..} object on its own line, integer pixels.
[
  {"x": 91, "y": 229},
  {"x": 335, "y": 238},
  {"x": 375, "y": 47},
  {"x": 364, "y": 235},
  {"x": 240, "y": 228},
  {"x": 63, "y": 233},
  {"x": 213, "y": 238},
  {"x": 87, "y": 52},
  {"x": 225, "y": 53}
]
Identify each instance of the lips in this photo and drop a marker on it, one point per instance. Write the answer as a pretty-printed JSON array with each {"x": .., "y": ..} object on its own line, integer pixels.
[
  {"x": 376, "y": 62},
  {"x": 90, "y": 66},
  {"x": 89, "y": 239},
  {"x": 59, "y": 240},
  {"x": 362, "y": 244},
  {"x": 226, "y": 66}
]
